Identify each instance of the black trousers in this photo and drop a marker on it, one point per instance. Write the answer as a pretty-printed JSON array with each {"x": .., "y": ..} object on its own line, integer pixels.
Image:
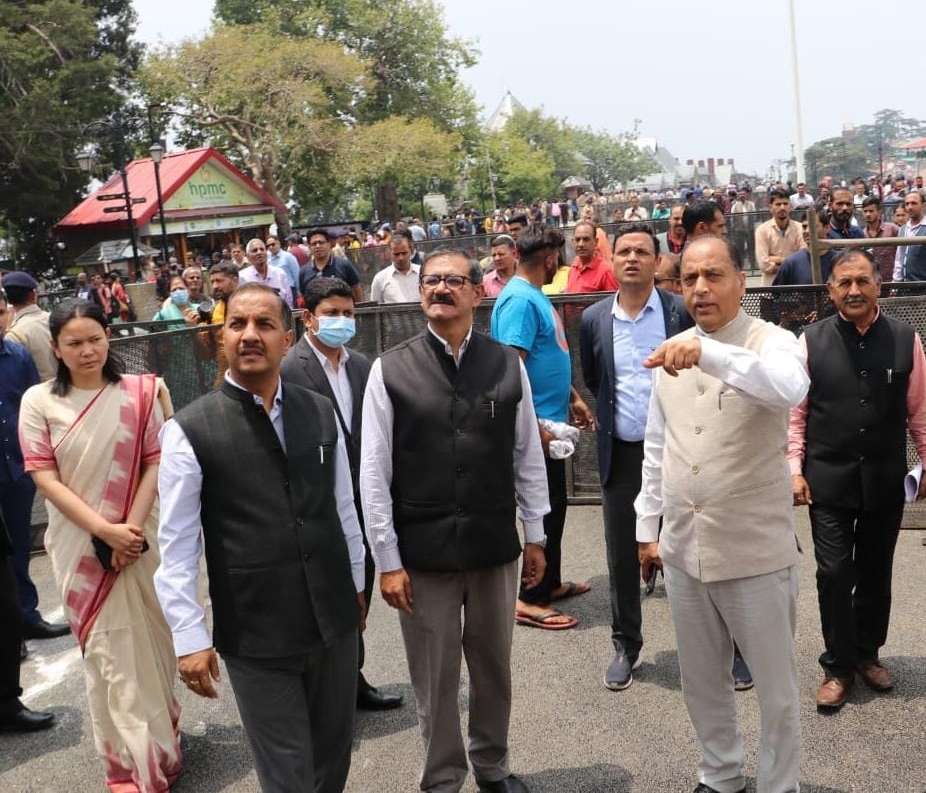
[
  {"x": 854, "y": 550},
  {"x": 553, "y": 524},
  {"x": 11, "y": 633},
  {"x": 16, "y": 504},
  {"x": 620, "y": 535},
  {"x": 369, "y": 575},
  {"x": 298, "y": 715}
]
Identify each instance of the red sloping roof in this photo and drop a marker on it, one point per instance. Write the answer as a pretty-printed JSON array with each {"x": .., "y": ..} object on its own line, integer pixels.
[
  {"x": 176, "y": 169},
  {"x": 915, "y": 144}
]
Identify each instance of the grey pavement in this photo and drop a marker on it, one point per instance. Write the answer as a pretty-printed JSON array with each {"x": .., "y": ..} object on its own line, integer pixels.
[{"x": 568, "y": 733}]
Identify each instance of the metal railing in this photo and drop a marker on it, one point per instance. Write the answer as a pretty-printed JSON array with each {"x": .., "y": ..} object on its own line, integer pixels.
[{"x": 185, "y": 358}]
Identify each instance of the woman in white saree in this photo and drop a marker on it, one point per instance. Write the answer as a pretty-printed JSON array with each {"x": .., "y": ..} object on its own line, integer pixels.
[{"x": 90, "y": 440}]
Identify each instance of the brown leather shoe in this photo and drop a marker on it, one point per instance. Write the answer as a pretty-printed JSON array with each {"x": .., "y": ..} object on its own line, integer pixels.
[
  {"x": 875, "y": 676},
  {"x": 833, "y": 692}
]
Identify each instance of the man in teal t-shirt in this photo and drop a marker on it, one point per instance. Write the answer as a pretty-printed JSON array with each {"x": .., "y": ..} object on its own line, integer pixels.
[{"x": 524, "y": 318}]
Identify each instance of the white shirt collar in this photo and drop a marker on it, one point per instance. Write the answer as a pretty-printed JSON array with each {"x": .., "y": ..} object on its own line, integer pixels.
[
  {"x": 448, "y": 349},
  {"x": 277, "y": 397},
  {"x": 322, "y": 358}
]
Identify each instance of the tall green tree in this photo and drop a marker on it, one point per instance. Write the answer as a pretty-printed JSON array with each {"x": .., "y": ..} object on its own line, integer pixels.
[
  {"x": 839, "y": 157},
  {"x": 397, "y": 157},
  {"x": 512, "y": 169},
  {"x": 63, "y": 64},
  {"x": 862, "y": 152},
  {"x": 413, "y": 63},
  {"x": 611, "y": 159},
  {"x": 275, "y": 106},
  {"x": 551, "y": 135}
]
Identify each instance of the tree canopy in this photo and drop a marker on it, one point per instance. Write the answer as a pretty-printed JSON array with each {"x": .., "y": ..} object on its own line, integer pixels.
[
  {"x": 860, "y": 152},
  {"x": 531, "y": 156},
  {"x": 276, "y": 109},
  {"x": 319, "y": 98},
  {"x": 63, "y": 64}
]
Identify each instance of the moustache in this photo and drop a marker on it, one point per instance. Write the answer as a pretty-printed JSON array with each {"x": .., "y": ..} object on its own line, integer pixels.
[
  {"x": 856, "y": 299},
  {"x": 446, "y": 300}
]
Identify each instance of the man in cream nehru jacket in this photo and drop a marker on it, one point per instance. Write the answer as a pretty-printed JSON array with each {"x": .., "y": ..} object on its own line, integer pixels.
[{"x": 715, "y": 469}]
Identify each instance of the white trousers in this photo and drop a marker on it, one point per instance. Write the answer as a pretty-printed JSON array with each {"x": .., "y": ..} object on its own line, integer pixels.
[{"x": 759, "y": 612}]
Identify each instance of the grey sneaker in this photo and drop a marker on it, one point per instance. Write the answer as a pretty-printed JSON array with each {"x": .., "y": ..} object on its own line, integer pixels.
[{"x": 620, "y": 672}]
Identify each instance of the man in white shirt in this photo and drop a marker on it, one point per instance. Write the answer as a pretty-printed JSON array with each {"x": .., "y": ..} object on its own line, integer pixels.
[
  {"x": 286, "y": 261},
  {"x": 321, "y": 362},
  {"x": 742, "y": 223},
  {"x": 715, "y": 470},
  {"x": 635, "y": 212},
  {"x": 257, "y": 476},
  {"x": 802, "y": 199},
  {"x": 398, "y": 281},
  {"x": 259, "y": 271},
  {"x": 450, "y": 453}
]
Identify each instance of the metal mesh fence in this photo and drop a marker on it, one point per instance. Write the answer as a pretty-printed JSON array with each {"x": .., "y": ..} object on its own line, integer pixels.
[{"x": 186, "y": 358}]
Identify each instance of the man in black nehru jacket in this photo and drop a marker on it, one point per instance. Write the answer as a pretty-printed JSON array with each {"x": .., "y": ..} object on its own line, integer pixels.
[{"x": 450, "y": 453}]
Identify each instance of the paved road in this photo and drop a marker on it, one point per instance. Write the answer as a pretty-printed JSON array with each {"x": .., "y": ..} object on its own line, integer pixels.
[{"x": 568, "y": 733}]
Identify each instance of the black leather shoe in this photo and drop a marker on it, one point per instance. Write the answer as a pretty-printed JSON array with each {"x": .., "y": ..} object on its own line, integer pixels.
[
  {"x": 25, "y": 720},
  {"x": 371, "y": 698},
  {"x": 702, "y": 788},
  {"x": 23, "y": 651},
  {"x": 45, "y": 630},
  {"x": 510, "y": 784}
]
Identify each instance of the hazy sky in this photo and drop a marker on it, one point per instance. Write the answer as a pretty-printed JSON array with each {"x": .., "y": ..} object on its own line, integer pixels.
[{"x": 706, "y": 79}]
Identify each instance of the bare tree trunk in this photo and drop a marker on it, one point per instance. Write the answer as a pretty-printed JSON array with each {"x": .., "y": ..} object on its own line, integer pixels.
[
  {"x": 387, "y": 201},
  {"x": 265, "y": 178}
]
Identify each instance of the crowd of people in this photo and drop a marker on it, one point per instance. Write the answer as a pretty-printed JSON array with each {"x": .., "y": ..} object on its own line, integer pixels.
[{"x": 711, "y": 426}]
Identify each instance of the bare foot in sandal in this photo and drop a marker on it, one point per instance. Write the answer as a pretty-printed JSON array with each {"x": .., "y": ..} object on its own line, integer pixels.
[
  {"x": 542, "y": 616},
  {"x": 569, "y": 589}
]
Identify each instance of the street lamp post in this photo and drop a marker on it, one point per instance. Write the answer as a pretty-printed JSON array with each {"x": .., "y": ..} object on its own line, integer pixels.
[
  {"x": 85, "y": 159},
  {"x": 157, "y": 154}
]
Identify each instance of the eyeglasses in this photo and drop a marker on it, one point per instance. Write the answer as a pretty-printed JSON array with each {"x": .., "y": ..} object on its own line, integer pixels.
[
  {"x": 453, "y": 282},
  {"x": 316, "y": 243}
]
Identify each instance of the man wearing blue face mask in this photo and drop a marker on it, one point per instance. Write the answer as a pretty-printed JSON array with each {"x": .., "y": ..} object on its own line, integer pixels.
[{"x": 320, "y": 362}]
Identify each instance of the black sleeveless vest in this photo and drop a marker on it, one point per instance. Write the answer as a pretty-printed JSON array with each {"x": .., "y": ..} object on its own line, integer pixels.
[
  {"x": 279, "y": 569},
  {"x": 857, "y": 412},
  {"x": 453, "y": 453}
]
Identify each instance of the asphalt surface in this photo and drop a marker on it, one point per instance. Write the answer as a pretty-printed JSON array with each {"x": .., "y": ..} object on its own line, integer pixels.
[{"x": 568, "y": 733}]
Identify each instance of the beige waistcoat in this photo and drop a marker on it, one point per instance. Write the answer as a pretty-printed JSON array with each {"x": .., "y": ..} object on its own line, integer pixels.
[{"x": 725, "y": 481}]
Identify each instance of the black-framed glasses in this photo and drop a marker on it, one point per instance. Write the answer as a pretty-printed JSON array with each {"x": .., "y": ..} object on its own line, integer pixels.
[{"x": 453, "y": 281}]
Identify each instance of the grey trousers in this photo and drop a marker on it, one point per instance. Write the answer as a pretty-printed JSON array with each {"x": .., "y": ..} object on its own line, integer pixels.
[
  {"x": 454, "y": 615},
  {"x": 298, "y": 714},
  {"x": 759, "y": 612}
]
